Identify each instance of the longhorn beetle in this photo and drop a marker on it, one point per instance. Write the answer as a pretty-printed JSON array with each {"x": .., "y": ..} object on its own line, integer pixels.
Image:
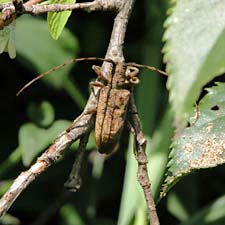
[{"x": 113, "y": 99}]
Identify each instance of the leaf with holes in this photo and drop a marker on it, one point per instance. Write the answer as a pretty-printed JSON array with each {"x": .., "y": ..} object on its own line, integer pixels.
[
  {"x": 202, "y": 145},
  {"x": 57, "y": 21},
  {"x": 194, "y": 51}
]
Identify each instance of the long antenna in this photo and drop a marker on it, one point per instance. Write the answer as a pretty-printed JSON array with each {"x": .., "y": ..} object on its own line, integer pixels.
[
  {"x": 61, "y": 66},
  {"x": 146, "y": 67},
  {"x": 86, "y": 59}
]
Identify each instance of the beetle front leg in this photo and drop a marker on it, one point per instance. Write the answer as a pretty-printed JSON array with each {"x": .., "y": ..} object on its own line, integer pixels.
[
  {"x": 99, "y": 73},
  {"x": 91, "y": 111},
  {"x": 95, "y": 84}
]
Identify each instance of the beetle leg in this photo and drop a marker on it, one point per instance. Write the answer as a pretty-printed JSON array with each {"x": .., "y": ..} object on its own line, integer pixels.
[
  {"x": 96, "y": 84},
  {"x": 99, "y": 73},
  {"x": 91, "y": 110}
]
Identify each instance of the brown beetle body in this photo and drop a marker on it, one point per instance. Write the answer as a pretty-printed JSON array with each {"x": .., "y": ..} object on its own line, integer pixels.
[
  {"x": 112, "y": 108},
  {"x": 113, "y": 101},
  {"x": 111, "y": 113}
]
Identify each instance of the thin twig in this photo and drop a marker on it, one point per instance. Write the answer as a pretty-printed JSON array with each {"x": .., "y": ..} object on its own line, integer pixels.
[
  {"x": 10, "y": 12},
  {"x": 140, "y": 154},
  {"x": 82, "y": 125},
  {"x": 74, "y": 181},
  {"x": 85, "y": 122},
  {"x": 87, "y": 6}
]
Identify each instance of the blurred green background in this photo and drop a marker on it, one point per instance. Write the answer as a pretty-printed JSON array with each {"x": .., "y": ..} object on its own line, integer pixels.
[{"x": 109, "y": 194}]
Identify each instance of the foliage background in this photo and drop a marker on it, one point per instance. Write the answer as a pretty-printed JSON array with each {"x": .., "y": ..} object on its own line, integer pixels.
[{"x": 24, "y": 120}]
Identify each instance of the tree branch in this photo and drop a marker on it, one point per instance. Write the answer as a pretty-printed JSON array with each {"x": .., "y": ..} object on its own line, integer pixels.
[
  {"x": 140, "y": 154},
  {"x": 32, "y": 8},
  {"x": 99, "y": 5},
  {"x": 74, "y": 181},
  {"x": 85, "y": 122},
  {"x": 82, "y": 125},
  {"x": 10, "y": 10}
]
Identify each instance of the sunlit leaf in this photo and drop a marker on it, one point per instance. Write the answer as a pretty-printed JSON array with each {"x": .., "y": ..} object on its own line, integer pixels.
[
  {"x": 202, "y": 145},
  {"x": 57, "y": 21},
  {"x": 141, "y": 216},
  {"x": 131, "y": 197},
  {"x": 194, "y": 51}
]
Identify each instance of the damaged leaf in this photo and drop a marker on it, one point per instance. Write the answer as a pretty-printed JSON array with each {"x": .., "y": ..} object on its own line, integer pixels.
[
  {"x": 194, "y": 51},
  {"x": 202, "y": 144}
]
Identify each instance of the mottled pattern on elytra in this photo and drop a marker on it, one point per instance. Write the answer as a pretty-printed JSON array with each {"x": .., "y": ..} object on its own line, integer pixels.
[{"x": 111, "y": 112}]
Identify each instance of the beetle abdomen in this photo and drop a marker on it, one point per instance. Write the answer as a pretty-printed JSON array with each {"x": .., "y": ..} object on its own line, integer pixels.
[{"x": 111, "y": 113}]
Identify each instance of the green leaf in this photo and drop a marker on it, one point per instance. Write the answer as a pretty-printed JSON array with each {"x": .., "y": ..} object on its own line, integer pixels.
[
  {"x": 4, "y": 186},
  {"x": 33, "y": 140},
  {"x": 214, "y": 214},
  {"x": 37, "y": 50},
  {"x": 202, "y": 145},
  {"x": 131, "y": 197},
  {"x": 11, "y": 161},
  {"x": 176, "y": 207},
  {"x": 7, "y": 40},
  {"x": 42, "y": 114},
  {"x": 70, "y": 216},
  {"x": 8, "y": 219},
  {"x": 57, "y": 21},
  {"x": 141, "y": 216},
  {"x": 7, "y": 37},
  {"x": 158, "y": 149},
  {"x": 4, "y": 1},
  {"x": 194, "y": 51}
]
